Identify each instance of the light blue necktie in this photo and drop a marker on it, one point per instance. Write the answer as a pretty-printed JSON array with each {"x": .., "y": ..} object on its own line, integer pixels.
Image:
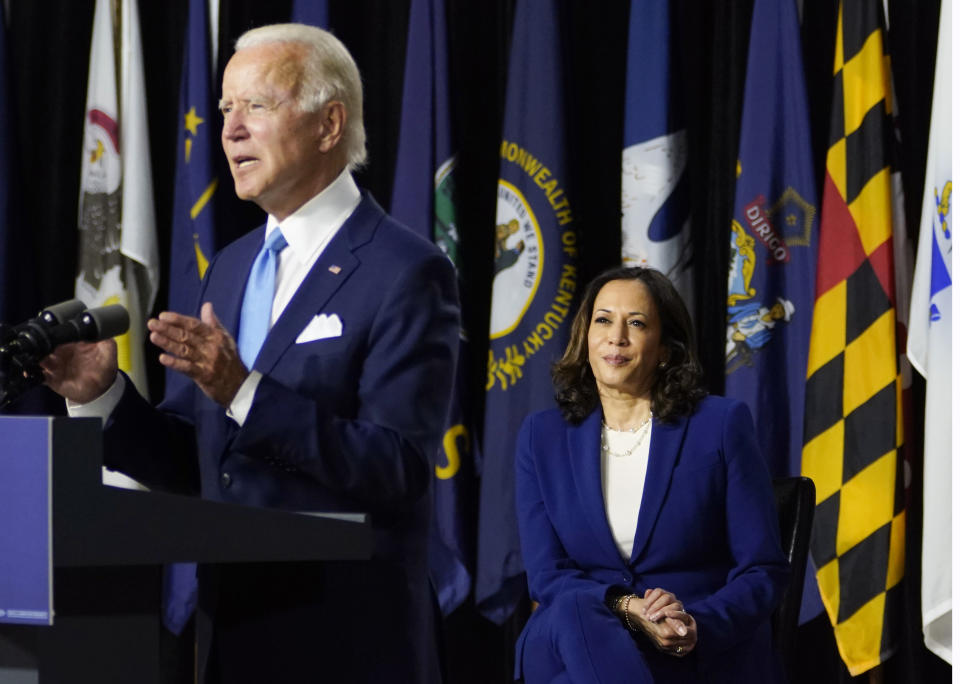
[{"x": 258, "y": 299}]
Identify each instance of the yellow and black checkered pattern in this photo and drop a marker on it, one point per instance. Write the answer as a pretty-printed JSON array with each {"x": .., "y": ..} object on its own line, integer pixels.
[{"x": 853, "y": 433}]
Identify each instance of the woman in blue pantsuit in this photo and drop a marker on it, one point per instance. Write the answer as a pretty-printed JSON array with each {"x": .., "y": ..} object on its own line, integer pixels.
[{"x": 646, "y": 512}]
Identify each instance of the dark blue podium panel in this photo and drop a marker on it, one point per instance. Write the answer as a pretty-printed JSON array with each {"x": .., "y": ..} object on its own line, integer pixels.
[{"x": 26, "y": 531}]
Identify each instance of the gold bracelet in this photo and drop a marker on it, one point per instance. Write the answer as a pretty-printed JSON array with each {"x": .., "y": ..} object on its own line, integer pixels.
[{"x": 626, "y": 613}]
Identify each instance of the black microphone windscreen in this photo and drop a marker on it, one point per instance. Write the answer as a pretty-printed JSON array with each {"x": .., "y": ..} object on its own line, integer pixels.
[
  {"x": 103, "y": 322},
  {"x": 62, "y": 312}
]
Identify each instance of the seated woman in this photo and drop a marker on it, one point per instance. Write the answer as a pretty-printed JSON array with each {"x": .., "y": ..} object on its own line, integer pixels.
[{"x": 646, "y": 512}]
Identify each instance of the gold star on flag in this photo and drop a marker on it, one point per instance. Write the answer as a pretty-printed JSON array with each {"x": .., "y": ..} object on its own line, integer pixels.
[{"x": 191, "y": 120}]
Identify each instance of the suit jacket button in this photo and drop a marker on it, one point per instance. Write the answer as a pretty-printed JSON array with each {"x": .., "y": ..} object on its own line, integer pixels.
[
  {"x": 225, "y": 480},
  {"x": 626, "y": 578}
]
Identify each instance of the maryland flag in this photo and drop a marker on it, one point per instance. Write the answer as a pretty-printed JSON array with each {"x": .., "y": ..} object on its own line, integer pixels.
[{"x": 853, "y": 428}]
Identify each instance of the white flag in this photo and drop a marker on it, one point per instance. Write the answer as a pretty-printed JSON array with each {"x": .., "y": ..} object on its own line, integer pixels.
[
  {"x": 118, "y": 261},
  {"x": 656, "y": 219},
  {"x": 929, "y": 348}
]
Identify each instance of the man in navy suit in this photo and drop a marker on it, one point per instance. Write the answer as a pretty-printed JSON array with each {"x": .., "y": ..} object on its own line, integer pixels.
[{"x": 340, "y": 408}]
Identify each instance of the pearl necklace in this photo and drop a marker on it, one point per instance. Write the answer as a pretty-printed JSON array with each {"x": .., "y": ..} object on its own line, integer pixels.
[{"x": 643, "y": 429}]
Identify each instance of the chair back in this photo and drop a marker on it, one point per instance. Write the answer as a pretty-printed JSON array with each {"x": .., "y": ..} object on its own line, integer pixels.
[{"x": 796, "y": 498}]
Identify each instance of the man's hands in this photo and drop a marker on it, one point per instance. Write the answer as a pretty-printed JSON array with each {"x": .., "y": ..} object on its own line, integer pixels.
[
  {"x": 661, "y": 617},
  {"x": 202, "y": 350},
  {"x": 81, "y": 371}
]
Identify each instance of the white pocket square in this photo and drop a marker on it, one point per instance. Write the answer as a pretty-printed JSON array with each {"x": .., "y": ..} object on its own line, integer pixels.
[{"x": 321, "y": 327}]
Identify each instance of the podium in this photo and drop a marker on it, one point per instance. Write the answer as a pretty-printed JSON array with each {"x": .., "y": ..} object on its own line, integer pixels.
[{"x": 108, "y": 546}]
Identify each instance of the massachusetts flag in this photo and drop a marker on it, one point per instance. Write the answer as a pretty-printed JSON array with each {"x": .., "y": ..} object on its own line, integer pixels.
[{"x": 929, "y": 345}]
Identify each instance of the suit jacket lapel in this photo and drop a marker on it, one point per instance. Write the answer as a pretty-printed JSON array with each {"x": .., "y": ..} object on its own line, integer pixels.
[
  {"x": 583, "y": 444},
  {"x": 665, "y": 442},
  {"x": 321, "y": 282}
]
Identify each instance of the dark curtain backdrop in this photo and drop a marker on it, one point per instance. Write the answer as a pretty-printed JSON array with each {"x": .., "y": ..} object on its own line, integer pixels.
[{"x": 49, "y": 46}]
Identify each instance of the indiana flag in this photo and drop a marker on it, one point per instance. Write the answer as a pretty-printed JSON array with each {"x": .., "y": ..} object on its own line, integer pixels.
[
  {"x": 929, "y": 347},
  {"x": 535, "y": 276},
  {"x": 773, "y": 239},
  {"x": 654, "y": 188},
  {"x": 193, "y": 233},
  {"x": 853, "y": 429},
  {"x": 118, "y": 261},
  {"x": 423, "y": 198},
  {"x": 193, "y": 238}
]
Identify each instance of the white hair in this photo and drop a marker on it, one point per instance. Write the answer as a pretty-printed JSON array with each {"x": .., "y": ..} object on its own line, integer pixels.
[{"x": 329, "y": 73}]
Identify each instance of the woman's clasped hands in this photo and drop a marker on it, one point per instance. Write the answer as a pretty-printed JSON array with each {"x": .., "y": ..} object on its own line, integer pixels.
[{"x": 661, "y": 617}]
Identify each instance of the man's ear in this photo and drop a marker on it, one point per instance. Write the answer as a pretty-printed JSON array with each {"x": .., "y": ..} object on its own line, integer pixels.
[{"x": 333, "y": 121}]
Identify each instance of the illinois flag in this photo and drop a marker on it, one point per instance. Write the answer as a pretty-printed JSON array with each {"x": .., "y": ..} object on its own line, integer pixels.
[
  {"x": 654, "y": 188},
  {"x": 535, "y": 276},
  {"x": 423, "y": 198},
  {"x": 118, "y": 262},
  {"x": 853, "y": 428},
  {"x": 929, "y": 345}
]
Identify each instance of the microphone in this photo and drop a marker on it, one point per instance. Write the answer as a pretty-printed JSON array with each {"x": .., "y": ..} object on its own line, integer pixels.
[
  {"x": 52, "y": 315},
  {"x": 35, "y": 339}
]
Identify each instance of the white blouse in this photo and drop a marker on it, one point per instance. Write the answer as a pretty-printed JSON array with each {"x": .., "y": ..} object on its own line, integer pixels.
[{"x": 623, "y": 470}]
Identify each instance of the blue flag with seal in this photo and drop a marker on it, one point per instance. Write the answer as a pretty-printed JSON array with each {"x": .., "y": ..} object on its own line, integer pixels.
[
  {"x": 773, "y": 247},
  {"x": 312, "y": 12},
  {"x": 535, "y": 277},
  {"x": 654, "y": 187},
  {"x": 193, "y": 239},
  {"x": 423, "y": 199},
  {"x": 773, "y": 239}
]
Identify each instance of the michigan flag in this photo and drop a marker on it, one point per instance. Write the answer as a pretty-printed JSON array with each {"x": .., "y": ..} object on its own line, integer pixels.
[
  {"x": 423, "y": 199},
  {"x": 535, "y": 277},
  {"x": 654, "y": 188},
  {"x": 773, "y": 239},
  {"x": 853, "y": 429},
  {"x": 118, "y": 262},
  {"x": 929, "y": 345}
]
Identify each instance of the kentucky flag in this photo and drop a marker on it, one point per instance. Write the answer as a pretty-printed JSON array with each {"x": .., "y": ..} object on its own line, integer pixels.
[
  {"x": 423, "y": 199},
  {"x": 535, "y": 276},
  {"x": 654, "y": 187},
  {"x": 929, "y": 347},
  {"x": 773, "y": 239},
  {"x": 853, "y": 427},
  {"x": 193, "y": 238}
]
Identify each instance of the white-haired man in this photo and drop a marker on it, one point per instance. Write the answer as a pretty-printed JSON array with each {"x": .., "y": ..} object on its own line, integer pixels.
[{"x": 338, "y": 408}]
